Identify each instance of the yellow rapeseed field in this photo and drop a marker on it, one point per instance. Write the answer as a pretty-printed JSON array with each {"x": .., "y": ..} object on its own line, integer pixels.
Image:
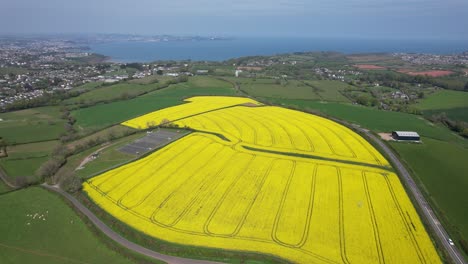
[{"x": 339, "y": 202}]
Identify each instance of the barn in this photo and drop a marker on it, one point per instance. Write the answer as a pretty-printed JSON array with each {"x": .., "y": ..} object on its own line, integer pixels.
[{"x": 406, "y": 135}]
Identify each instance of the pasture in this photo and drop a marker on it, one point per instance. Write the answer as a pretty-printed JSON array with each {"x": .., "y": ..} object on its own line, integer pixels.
[
  {"x": 453, "y": 103},
  {"x": 25, "y": 159},
  {"x": 323, "y": 90},
  {"x": 444, "y": 99},
  {"x": 203, "y": 190},
  {"x": 31, "y": 125},
  {"x": 47, "y": 231},
  {"x": 277, "y": 88},
  {"x": 374, "y": 119},
  {"x": 441, "y": 167},
  {"x": 112, "y": 92}
]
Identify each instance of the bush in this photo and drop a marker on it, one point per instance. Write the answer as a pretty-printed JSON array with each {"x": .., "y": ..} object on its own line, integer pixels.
[{"x": 71, "y": 183}]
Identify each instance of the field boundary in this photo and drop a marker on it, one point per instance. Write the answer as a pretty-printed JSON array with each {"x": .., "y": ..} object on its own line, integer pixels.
[{"x": 315, "y": 157}]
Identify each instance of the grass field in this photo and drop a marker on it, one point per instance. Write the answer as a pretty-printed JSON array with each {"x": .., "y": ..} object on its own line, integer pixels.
[
  {"x": 25, "y": 159},
  {"x": 330, "y": 90},
  {"x": 109, "y": 157},
  {"x": 3, "y": 187},
  {"x": 37, "y": 227},
  {"x": 377, "y": 120},
  {"x": 441, "y": 167},
  {"x": 106, "y": 93},
  {"x": 445, "y": 99},
  {"x": 31, "y": 125},
  {"x": 309, "y": 90},
  {"x": 116, "y": 131},
  {"x": 206, "y": 191},
  {"x": 103, "y": 115},
  {"x": 87, "y": 86},
  {"x": 269, "y": 88},
  {"x": 151, "y": 79},
  {"x": 24, "y": 164},
  {"x": 458, "y": 114},
  {"x": 453, "y": 103}
]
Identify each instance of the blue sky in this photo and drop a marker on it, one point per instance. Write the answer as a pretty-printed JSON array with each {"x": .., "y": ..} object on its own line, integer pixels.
[{"x": 313, "y": 18}]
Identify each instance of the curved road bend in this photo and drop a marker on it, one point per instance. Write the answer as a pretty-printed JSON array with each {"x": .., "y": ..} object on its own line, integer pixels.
[
  {"x": 435, "y": 224},
  {"x": 119, "y": 239}
]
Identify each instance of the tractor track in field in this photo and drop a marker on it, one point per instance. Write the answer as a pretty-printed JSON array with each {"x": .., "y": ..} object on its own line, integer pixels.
[
  {"x": 118, "y": 238},
  {"x": 428, "y": 213}
]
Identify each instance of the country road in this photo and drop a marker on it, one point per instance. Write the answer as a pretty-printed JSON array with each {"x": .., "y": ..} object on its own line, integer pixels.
[
  {"x": 119, "y": 239},
  {"x": 439, "y": 231}
]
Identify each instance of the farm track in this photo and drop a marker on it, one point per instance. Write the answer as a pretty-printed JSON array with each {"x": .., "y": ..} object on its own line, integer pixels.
[
  {"x": 428, "y": 213},
  {"x": 118, "y": 238}
]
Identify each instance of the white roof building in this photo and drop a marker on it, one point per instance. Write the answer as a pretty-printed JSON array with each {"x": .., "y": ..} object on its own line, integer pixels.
[{"x": 407, "y": 134}]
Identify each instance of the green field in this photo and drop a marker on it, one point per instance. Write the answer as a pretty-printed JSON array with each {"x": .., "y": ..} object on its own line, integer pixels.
[
  {"x": 103, "y": 115},
  {"x": 151, "y": 79},
  {"x": 23, "y": 164},
  {"x": 377, "y": 120},
  {"x": 441, "y": 167},
  {"x": 108, "y": 157},
  {"x": 445, "y": 99},
  {"x": 111, "y": 92},
  {"x": 87, "y": 86},
  {"x": 31, "y": 125},
  {"x": 458, "y": 114},
  {"x": 319, "y": 90},
  {"x": 60, "y": 236},
  {"x": 25, "y": 159},
  {"x": 453, "y": 103},
  {"x": 330, "y": 90},
  {"x": 3, "y": 187},
  {"x": 277, "y": 89}
]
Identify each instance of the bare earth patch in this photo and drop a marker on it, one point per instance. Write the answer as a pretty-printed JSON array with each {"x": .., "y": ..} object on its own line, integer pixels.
[
  {"x": 251, "y": 105},
  {"x": 386, "y": 136},
  {"x": 427, "y": 73}
]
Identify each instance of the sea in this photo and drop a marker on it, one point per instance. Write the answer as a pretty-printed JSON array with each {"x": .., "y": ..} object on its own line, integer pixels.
[{"x": 220, "y": 50}]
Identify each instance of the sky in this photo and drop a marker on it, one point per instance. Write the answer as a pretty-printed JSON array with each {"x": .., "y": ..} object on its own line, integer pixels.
[{"x": 377, "y": 19}]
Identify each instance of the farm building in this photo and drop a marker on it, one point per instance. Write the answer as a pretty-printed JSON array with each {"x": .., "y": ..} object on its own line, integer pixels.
[{"x": 406, "y": 135}]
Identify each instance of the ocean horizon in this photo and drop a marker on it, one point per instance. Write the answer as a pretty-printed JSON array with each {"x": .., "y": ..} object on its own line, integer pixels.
[{"x": 220, "y": 50}]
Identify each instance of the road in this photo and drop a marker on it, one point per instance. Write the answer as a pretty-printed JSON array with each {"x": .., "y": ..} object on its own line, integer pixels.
[
  {"x": 119, "y": 239},
  {"x": 442, "y": 235}
]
